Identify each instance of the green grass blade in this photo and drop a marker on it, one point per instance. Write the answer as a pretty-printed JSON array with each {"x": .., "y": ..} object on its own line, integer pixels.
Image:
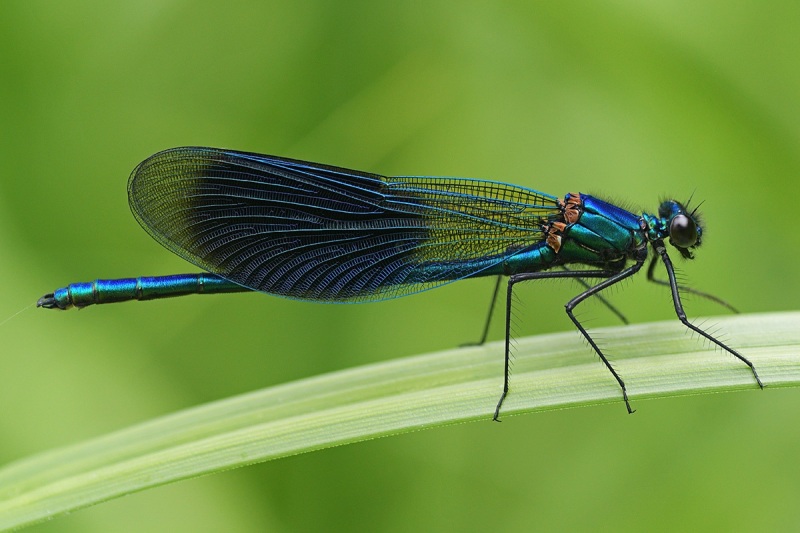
[{"x": 550, "y": 372}]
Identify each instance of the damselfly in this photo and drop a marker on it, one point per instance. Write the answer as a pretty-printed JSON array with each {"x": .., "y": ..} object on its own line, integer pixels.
[{"x": 327, "y": 234}]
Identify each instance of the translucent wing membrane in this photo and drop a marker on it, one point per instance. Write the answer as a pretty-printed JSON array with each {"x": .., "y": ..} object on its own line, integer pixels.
[{"x": 319, "y": 232}]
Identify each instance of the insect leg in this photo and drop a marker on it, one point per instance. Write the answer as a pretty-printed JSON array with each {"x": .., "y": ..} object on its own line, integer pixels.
[
  {"x": 527, "y": 276},
  {"x": 616, "y": 278},
  {"x": 489, "y": 317},
  {"x": 650, "y": 277},
  {"x": 611, "y": 307},
  {"x": 496, "y": 291},
  {"x": 676, "y": 299}
]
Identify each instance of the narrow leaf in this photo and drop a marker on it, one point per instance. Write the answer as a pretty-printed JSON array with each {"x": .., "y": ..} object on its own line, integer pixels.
[{"x": 550, "y": 372}]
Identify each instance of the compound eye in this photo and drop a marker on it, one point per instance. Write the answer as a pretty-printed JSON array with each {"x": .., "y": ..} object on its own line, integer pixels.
[{"x": 682, "y": 231}]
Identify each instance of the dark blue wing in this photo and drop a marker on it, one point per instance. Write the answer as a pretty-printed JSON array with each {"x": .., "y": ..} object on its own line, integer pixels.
[{"x": 319, "y": 232}]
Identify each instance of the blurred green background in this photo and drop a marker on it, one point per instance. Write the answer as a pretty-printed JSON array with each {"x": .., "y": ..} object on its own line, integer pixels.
[{"x": 625, "y": 99}]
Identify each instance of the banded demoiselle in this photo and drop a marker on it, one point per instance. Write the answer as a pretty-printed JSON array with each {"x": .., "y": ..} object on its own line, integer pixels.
[{"x": 327, "y": 234}]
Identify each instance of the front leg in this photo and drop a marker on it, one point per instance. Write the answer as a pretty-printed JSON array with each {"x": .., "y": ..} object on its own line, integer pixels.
[
  {"x": 651, "y": 277},
  {"x": 676, "y": 299}
]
